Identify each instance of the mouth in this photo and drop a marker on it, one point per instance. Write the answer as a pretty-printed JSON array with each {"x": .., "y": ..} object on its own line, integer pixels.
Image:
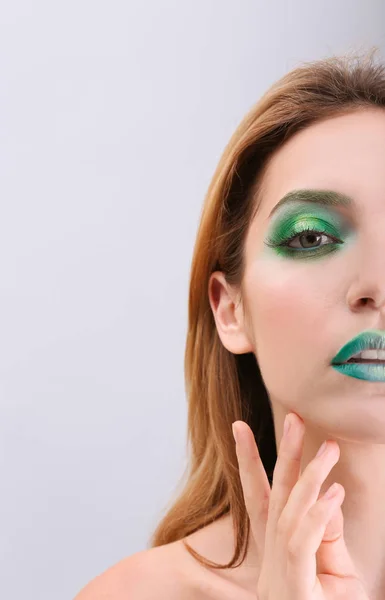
[
  {"x": 363, "y": 361},
  {"x": 373, "y": 357},
  {"x": 366, "y": 348},
  {"x": 363, "y": 357}
]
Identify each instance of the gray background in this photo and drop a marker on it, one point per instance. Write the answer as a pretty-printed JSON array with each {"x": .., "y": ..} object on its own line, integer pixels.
[{"x": 113, "y": 116}]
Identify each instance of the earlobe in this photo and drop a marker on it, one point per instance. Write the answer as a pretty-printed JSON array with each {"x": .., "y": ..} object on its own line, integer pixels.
[{"x": 228, "y": 315}]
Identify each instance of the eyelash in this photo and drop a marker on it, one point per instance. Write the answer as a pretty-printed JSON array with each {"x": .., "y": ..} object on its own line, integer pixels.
[{"x": 272, "y": 243}]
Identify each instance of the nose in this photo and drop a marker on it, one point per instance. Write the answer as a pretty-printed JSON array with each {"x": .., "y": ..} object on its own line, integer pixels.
[{"x": 367, "y": 290}]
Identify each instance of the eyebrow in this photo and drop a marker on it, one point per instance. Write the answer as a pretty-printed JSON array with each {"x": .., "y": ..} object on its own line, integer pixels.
[{"x": 318, "y": 196}]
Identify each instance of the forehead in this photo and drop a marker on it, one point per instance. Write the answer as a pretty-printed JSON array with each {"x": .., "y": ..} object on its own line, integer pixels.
[{"x": 344, "y": 153}]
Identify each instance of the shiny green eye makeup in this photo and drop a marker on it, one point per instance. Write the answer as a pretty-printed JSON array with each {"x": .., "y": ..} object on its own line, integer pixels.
[{"x": 303, "y": 231}]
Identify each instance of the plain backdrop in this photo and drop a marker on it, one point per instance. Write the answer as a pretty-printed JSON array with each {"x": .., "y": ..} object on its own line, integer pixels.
[{"x": 113, "y": 117}]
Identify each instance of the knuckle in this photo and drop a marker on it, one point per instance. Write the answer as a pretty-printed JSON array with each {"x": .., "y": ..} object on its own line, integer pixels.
[
  {"x": 254, "y": 455},
  {"x": 288, "y": 455},
  {"x": 293, "y": 547},
  {"x": 314, "y": 517},
  {"x": 316, "y": 512},
  {"x": 284, "y": 470}
]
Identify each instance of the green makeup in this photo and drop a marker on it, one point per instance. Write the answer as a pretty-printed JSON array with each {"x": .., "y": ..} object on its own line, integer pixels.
[{"x": 307, "y": 226}]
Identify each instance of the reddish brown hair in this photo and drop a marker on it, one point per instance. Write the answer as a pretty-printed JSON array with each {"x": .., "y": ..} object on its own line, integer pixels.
[{"x": 222, "y": 387}]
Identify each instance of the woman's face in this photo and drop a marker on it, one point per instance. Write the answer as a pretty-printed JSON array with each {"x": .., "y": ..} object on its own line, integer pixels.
[{"x": 307, "y": 301}]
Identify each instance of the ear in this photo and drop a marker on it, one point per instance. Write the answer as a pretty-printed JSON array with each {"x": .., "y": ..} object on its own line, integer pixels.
[{"x": 228, "y": 315}]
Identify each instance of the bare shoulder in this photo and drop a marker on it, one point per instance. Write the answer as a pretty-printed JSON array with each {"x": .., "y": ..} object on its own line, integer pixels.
[
  {"x": 150, "y": 574},
  {"x": 170, "y": 572}
]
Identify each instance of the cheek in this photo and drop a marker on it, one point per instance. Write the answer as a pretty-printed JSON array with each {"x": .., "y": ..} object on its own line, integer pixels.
[{"x": 288, "y": 317}]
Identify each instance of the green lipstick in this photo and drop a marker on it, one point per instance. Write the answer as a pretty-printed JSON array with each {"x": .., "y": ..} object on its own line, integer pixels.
[{"x": 348, "y": 362}]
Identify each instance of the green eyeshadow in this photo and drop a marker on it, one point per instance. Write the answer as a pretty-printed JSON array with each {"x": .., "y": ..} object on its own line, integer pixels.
[{"x": 310, "y": 223}]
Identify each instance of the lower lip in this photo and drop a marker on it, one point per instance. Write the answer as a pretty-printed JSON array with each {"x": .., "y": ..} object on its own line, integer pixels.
[{"x": 367, "y": 371}]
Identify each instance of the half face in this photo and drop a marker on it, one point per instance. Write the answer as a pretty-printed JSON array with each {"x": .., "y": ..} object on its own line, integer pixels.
[{"x": 315, "y": 271}]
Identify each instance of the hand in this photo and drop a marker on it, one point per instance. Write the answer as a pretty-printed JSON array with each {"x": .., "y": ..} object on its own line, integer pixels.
[{"x": 291, "y": 526}]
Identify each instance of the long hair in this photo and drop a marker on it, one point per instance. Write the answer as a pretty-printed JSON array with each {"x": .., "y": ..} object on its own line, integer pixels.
[{"x": 222, "y": 387}]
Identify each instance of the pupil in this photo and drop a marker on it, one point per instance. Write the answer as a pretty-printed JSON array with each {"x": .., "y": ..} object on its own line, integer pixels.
[{"x": 312, "y": 236}]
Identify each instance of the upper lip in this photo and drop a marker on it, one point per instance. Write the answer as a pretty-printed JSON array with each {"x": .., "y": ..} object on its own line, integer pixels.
[{"x": 370, "y": 339}]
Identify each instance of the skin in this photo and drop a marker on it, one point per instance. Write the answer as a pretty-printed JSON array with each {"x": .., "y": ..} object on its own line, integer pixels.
[{"x": 295, "y": 313}]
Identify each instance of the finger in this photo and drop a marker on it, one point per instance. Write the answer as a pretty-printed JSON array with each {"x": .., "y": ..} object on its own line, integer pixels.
[
  {"x": 300, "y": 508},
  {"x": 255, "y": 483},
  {"x": 333, "y": 556},
  {"x": 314, "y": 528},
  {"x": 306, "y": 491},
  {"x": 301, "y": 548},
  {"x": 286, "y": 474},
  {"x": 311, "y": 537}
]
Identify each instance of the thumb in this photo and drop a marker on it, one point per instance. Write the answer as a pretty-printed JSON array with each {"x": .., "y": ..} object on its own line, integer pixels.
[{"x": 333, "y": 556}]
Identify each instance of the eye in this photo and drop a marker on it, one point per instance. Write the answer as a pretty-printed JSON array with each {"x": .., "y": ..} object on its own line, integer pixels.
[
  {"x": 309, "y": 238},
  {"x": 308, "y": 241}
]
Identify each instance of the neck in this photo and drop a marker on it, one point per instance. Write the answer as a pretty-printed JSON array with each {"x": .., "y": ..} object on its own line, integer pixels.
[{"x": 361, "y": 471}]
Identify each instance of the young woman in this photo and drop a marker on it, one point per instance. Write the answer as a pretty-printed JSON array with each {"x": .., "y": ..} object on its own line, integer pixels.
[{"x": 286, "y": 326}]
